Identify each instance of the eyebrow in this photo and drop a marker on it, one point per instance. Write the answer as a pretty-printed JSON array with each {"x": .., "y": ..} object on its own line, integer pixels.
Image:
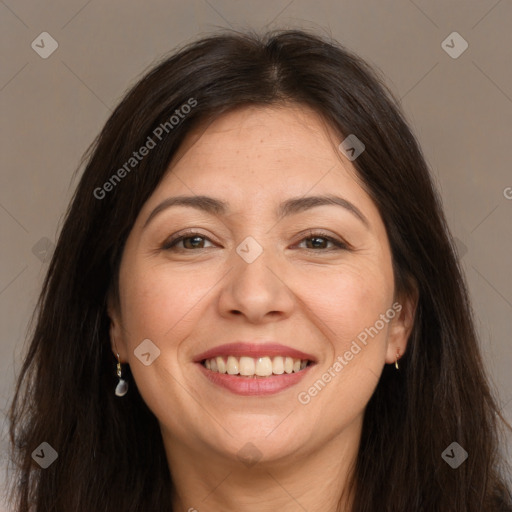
[{"x": 289, "y": 207}]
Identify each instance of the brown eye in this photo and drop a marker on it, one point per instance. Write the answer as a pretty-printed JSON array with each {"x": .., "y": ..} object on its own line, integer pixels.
[
  {"x": 189, "y": 240},
  {"x": 316, "y": 241},
  {"x": 193, "y": 242}
]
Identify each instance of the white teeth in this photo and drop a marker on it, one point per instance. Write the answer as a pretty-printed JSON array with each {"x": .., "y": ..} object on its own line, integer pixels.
[
  {"x": 264, "y": 367},
  {"x": 232, "y": 365},
  {"x": 251, "y": 367},
  {"x": 278, "y": 365},
  {"x": 246, "y": 366},
  {"x": 221, "y": 365}
]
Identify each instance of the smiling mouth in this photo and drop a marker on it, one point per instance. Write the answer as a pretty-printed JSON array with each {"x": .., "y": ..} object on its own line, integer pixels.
[{"x": 256, "y": 367}]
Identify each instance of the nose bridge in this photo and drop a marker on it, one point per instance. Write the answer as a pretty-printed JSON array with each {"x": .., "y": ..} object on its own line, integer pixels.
[
  {"x": 252, "y": 265},
  {"x": 255, "y": 287}
]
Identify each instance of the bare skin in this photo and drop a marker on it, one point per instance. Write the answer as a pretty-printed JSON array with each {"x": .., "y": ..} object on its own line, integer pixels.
[{"x": 302, "y": 291}]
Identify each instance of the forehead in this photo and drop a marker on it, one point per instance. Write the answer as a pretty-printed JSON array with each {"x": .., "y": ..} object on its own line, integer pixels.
[
  {"x": 262, "y": 132},
  {"x": 254, "y": 158},
  {"x": 272, "y": 148}
]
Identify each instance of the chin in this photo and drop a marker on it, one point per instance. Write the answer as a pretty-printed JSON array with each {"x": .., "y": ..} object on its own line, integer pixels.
[{"x": 267, "y": 441}]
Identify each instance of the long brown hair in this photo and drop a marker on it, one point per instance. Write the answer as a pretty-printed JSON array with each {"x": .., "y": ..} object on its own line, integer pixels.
[{"x": 110, "y": 451}]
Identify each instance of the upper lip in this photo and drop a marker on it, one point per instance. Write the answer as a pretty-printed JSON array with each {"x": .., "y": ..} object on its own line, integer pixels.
[{"x": 250, "y": 349}]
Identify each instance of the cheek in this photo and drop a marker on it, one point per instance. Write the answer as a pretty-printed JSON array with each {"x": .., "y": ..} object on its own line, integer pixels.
[
  {"x": 161, "y": 304},
  {"x": 350, "y": 303},
  {"x": 351, "y": 300},
  {"x": 164, "y": 307}
]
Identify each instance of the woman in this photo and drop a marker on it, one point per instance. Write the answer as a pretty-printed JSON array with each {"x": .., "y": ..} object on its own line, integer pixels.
[{"x": 255, "y": 304}]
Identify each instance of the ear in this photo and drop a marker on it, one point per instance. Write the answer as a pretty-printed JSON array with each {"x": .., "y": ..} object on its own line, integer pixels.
[
  {"x": 401, "y": 325},
  {"x": 117, "y": 343}
]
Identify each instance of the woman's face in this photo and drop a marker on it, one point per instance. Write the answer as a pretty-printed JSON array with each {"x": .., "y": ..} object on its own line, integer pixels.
[{"x": 259, "y": 287}]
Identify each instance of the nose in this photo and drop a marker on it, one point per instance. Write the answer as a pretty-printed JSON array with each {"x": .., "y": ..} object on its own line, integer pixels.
[{"x": 258, "y": 291}]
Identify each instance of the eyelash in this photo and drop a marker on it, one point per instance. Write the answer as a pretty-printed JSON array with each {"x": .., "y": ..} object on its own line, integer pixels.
[{"x": 338, "y": 244}]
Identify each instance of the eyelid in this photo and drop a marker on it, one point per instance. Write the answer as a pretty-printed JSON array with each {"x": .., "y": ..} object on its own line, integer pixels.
[
  {"x": 177, "y": 237},
  {"x": 339, "y": 243}
]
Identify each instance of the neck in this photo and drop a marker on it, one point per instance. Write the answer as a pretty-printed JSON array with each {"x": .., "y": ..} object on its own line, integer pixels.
[{"x": 315, "y": 481}]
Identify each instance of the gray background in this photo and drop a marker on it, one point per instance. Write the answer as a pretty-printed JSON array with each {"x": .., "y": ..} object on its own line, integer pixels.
[{"x": 460, "y": 109}]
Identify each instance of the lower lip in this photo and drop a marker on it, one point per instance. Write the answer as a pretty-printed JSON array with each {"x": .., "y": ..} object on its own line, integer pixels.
[{"x": 251, "y": 386}]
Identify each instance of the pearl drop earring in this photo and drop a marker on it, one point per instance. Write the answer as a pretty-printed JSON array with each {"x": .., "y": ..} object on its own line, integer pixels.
[{"x": 122, "y": 385}]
